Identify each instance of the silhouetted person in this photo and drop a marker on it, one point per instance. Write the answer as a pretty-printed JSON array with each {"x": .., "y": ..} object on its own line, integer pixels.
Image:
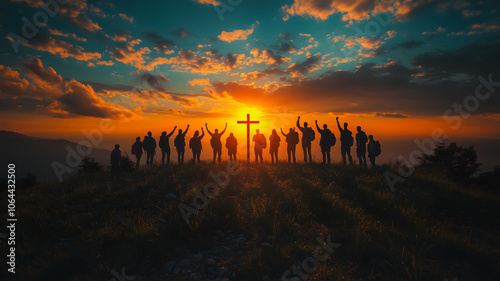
[
  {"x": 361, "y": 140},
  {"x": 215, "y": 142},
  {"x": 326, "y": 142},
  {"x": 260, "y": 144},
  {"x": 346, "y": 141},
  {"x": 195, "y": 144},
  {"x": 180, "y": 144},
  {"x": 137, "y": 151},
  {"x": 292, "y": 139},
  {"x": 164, "y": 144},
  {"x": 116, "y": 158},
  {"x": 149, "y": 144},
  {"x": 274, "y": 143},
  {"x": 307, "y": 137},
  {"x": 373, "y": 150},
  {"x": 232, "y": 146}
]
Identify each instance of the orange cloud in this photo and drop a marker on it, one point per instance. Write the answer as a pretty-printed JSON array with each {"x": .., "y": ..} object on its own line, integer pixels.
[
  {"x": 210, "y": 2},
  {"x": 56, "y": 32},
  {"x": 57, "y": 47},
  {"x": 239, "y": 34}
]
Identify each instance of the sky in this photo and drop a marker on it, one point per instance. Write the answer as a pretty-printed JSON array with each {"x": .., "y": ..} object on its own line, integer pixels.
[{"x": 399, "y": 69}]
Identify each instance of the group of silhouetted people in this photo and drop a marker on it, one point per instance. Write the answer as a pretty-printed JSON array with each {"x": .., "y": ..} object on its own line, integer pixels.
[{"x": 364, "y": 144}]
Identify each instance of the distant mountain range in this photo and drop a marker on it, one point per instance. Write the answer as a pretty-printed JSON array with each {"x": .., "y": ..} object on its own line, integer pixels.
[{"x": 36, "y": 155}]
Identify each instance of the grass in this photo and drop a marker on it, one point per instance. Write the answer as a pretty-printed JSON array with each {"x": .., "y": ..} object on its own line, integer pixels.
[{"x": 428, "y": 229}]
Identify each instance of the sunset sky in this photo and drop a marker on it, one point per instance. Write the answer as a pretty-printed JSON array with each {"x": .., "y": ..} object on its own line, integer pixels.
[{"x": 396, "y": 68}]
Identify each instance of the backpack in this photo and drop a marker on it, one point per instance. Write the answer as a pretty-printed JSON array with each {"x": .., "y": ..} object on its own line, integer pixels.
[
  {"x": 332, "y": 140},
  {"x": 275, "y": 140},
  {"x": 262, "y": 141},
  {"x": 136, "y": 148},
  {"x": 179, "y": 141},
  {"x": 309, "y": 134},
  {"x": 377, "y": 149},
  {"x": 363, "y": 137},
  {"x": 294, "y": 137},
  {"x": 347, "y": 139},
  {"x": 163, "y": 143}
]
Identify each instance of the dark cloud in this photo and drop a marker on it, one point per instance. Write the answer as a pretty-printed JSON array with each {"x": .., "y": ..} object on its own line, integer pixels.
[
  {"x": 181, "y": 32},
  {"x": 407, "y": 45},
  {"x": 475, "y": 59},
  {"x": 370, "y": 89},
  {"x": 390, "y": 115},
  {"x": 161, "y": 44},
  {"x": 302, "y": 68}
]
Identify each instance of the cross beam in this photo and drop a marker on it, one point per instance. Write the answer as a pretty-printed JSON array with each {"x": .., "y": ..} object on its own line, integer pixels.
[{"x": 248, "y": 122}]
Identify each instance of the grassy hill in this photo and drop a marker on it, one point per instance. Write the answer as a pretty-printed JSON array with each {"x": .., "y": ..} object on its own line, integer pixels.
[{"x": 268, "y": 219}]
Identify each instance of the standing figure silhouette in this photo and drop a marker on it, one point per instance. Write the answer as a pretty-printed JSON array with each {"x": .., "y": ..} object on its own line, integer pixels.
[
  {"x": 346, "y": 141},
  {"x": 180, "y": 144},
  {"x": 215, "y": 142},
  {"x": 195, "y": 145},
  {"x": 361, "y": 140},
  {"x": 164, "y": 144},
  {"x": 326, "y": 142},
  {"x": 292, "y": 139},
  {"x": 137, "y": 151},
  {"x": 116, "y": 158},
  {"x": 232, "y": 146},
  {"x": 149, "y": 145},
  {"x": 373, "y": 150},
  {"x": 260, "y": 144},
  {"x": 307, "y": 138},
  {"x": 274, "y": 143}
]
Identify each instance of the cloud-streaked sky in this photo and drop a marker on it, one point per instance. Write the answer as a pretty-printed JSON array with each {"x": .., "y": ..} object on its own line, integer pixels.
[{"x": 160, "y": 61}]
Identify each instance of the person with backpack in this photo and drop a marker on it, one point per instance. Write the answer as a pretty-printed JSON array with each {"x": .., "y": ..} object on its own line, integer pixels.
[
  {"x": 215, "y": 142},
  {"x": 346, "y": 141},
  {"x": 361, "y": 140},
  {"x": 374, "y": 150},
  {"x": 137, "y": 151},
  {"x": 195, "y": 144},
  {"x": 260, "y": 144},
  {"x": 292, "y": 139},
  {"x": 308, "y": 136},
  {"x": 274, "y": 144},
  {"x": 326, "y": 142},
  {"x": 180, "y": 145},
  {"x": 232, "y": 146},
  {"x": 149, "y": 145},
  {"x": 164, "y": 144},
  {"x": 116, "y": 158}
]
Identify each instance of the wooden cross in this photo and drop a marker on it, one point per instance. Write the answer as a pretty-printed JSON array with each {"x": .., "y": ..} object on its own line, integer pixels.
[{"x": 248, "y": 122}]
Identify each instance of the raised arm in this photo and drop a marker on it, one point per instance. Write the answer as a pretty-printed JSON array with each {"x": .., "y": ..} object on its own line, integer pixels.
[
  {"x": 208, "y": 131},
  {"x": 283, "y": 133},
  {"x": 202, "y": 133},
  {"x": 318, "y": 128},
  {"x": 298, "y": 124},
  {"x": 171, "y": 133},
  {"x": 338, "y": 124},
  {"x": 223, "y": 131},
  {"x": 186, "y": 131}
]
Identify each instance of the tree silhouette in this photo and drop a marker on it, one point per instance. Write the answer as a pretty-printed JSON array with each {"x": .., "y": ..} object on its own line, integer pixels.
[
  {"x": 89, "y": 165},
  {"x": 459, "y": 163}
]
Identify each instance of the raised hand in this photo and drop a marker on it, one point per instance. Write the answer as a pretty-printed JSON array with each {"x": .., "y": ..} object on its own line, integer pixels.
[{"x": 316, "y": 121}]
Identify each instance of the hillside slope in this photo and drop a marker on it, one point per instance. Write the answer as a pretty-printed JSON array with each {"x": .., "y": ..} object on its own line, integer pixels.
[
  {"x": 35, "y": 155},
  {"x": 268, "y": 220}
]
